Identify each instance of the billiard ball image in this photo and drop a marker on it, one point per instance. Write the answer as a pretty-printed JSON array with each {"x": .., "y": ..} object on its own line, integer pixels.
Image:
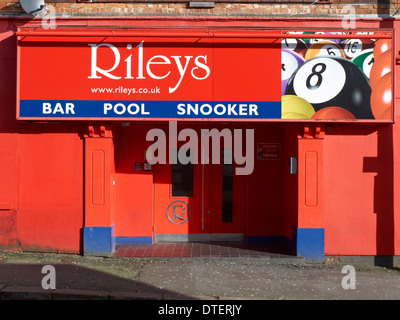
[
  {"x": 306, "y": 40},
  {"x": 294, "y": 107},
  {"x": 290, "y": 62},
  {"x": 296, "y": 45},
  {"x": 382, "y": 97},
  {"x": 381, "y": 66},
  {"x": 332, "y": 81},
  {"x": 365, "y": 60},
  {"x": 381, "y": 46},
  {"x": 353, "y": 47},
  {"x": 341, "y": 40},
  {"x": 324, "y": 48},
  {"x": 316, "y": 40},
  {"x": 333, "y": 113}
]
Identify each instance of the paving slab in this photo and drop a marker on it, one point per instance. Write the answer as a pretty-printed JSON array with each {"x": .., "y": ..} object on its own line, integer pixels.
[
  {"x": 126, "y": 278},
  {"x": 228, "y": 279}
]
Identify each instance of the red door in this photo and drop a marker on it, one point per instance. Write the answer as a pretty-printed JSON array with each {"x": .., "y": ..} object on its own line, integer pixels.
[{"x": 199, "y": 202}]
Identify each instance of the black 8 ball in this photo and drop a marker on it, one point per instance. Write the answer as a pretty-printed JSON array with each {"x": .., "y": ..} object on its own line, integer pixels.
[{"x": 332, "y": 82}]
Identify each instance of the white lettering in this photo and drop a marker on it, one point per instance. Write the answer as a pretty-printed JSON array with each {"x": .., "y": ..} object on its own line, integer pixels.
[
  {"x": 164, "y": 59},
  {"x": 202, "y": 66},
  {"x": 46, "y": 108},
  {"x": 140, "y": 61},
  {"x": 243, "y": 109},
  {"x": 133, "y": 105},
  {"x": 95, "y": 69},
  {"x": 59, "y": 108},
  {"x": 231, "y": 109},
  {"x": 70, "y": 108},
  {"x": 107, "y": 107},
  {"x": 175, "y": 310},
  {"x": 181, "y": 110},
  {"x": 121, "y": 109},
  {"x": 129, "y": 67},
  {"x": 195, "y": 66},
  {"x": 182, "y": 71},
  {"x": 216, "y": 309},
  {"x": 218, "y": 109},
  {"x": 253, "y": 109}
]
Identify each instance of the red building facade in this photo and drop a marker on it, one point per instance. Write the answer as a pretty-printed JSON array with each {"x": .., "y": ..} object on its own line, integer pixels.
[{"x": 78, "y": 171}]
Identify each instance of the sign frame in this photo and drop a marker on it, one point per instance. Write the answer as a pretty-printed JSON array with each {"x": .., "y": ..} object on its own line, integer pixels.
[{"x": 32, "y": 36}]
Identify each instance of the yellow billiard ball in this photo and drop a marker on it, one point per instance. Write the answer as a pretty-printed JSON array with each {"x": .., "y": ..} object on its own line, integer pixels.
[{"x": 324, "y": 48}]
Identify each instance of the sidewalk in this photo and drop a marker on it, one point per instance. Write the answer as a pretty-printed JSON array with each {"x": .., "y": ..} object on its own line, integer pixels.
[{"x": 121, "y": 278}]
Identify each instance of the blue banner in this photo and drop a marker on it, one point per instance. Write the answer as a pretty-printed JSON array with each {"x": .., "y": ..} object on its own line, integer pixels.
[{"x": 96, "y": 109}]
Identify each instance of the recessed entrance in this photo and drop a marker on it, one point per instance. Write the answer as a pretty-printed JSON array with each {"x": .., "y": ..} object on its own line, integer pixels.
[{"x": 201, "y": 201}]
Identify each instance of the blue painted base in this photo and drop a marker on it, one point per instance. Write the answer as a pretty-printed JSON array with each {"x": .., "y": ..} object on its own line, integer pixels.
[
  {"x": 310, "y": 243},
  {"x": 133, "y": 240},
  {"x": 98, "y": 241}
]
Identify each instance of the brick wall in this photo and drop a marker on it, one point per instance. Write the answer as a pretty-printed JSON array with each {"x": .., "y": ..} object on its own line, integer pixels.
[{"x": 295, "y": 8}]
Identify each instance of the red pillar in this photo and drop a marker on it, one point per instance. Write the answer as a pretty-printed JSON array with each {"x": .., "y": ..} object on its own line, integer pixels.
[
  {"x": 310, "y": 232},
  {"x": 99, "y": 238}
]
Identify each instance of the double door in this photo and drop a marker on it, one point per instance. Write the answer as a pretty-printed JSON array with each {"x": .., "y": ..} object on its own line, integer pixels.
[{"x": 195, "y": 197}]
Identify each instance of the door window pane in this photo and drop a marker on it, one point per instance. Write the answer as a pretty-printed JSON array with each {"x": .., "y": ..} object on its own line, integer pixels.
[
  {"x": 227, "y": 186},
  {"x": 182, "y": 179}
]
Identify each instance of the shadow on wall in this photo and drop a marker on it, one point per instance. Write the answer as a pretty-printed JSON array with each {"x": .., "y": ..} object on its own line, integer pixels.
[
  {"x": 382, "y": 165},
  {"x": 384, "y": 184},
  {"x": 384, "y": 8}
]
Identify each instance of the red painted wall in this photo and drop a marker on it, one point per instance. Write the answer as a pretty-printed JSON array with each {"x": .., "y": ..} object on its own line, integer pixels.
[
  {"x": 50, "y": 189},
  {"x": 134, "y": 202},
  {"x": 361, "y": 185},
  {"x": 265, "y": 186},
  {"x": 42, "y": 176},
  {"x": 359, "y": 216},
  {"x": 41, "y": 170}
]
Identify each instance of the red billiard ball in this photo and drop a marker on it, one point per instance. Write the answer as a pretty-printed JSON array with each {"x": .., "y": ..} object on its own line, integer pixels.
[
  {"x": 381, "y": 46},
  {"x": 382, "y": 65},
  {"x": 333, "y": 113},
  {"x": 382, "y": 97}
]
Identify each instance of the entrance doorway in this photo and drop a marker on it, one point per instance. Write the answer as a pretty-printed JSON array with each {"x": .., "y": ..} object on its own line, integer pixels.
[{"x": 200, "y": 201}]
